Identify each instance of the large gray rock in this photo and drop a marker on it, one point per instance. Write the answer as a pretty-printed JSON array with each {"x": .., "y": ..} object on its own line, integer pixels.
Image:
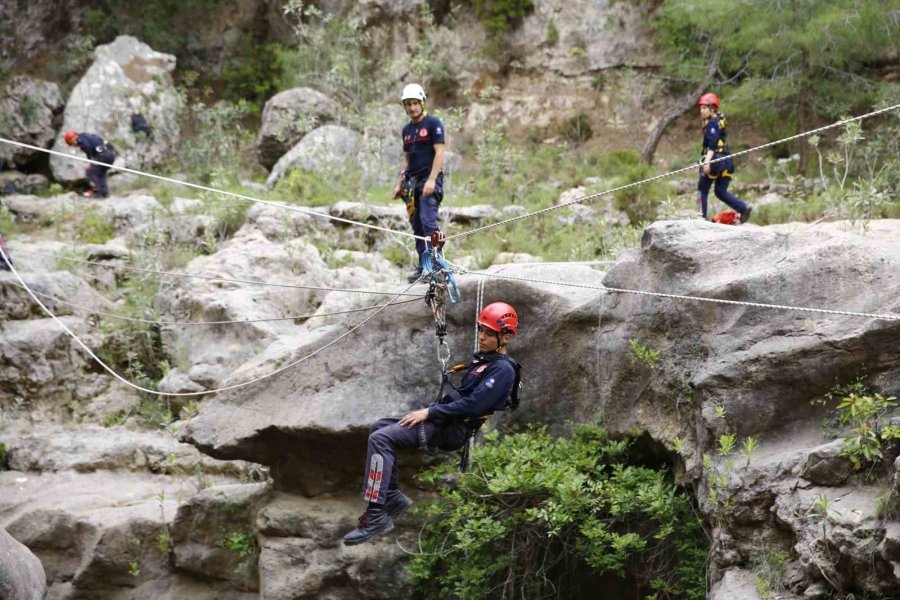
[
  {"x": 287, "y": 117},
  {"x": 21, "y": 573},
  {"x": 127, "y": 77},
  {"x": 329, "y": 149},
  {"x": 324, "y": 405},
  {"x": 28, "y": 108},
  {"x": 17, "y": 182}
]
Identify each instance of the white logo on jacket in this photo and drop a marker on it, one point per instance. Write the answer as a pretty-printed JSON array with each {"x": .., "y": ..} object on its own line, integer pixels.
[{"x": 489, "y": 383}]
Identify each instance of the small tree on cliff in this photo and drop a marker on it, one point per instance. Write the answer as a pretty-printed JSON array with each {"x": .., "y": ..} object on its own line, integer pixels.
[{"x": 794, "y": 61}]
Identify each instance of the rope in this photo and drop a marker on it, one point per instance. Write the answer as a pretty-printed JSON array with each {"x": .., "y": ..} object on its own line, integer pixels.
[
  {"x": 139, "y": 388},
  {"x": 210, "y": 277},
  {"x": 664, "y": 175},
  {"x": 479, "y": 304},
  {"x": 167, "y": 323},
  {"x": 606, "y": 289},
  {"x": 204, "y": 188}
]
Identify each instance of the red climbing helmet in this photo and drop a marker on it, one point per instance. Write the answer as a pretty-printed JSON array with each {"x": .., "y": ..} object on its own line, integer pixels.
[
  {"x": 499, "y": 317},
  {"x": 70, "y": 137},
  {"x": 708, "y": 99}
]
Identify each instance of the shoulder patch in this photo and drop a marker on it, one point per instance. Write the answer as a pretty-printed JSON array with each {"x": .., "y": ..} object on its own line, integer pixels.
[
  {"x": 481, "y": 368},
  {"x": 489, "y": 383}
]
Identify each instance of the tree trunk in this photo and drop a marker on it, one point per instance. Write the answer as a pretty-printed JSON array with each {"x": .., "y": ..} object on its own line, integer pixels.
[
  {"x": 804, "y": 112},
  {"x": 683, "y": 105}
]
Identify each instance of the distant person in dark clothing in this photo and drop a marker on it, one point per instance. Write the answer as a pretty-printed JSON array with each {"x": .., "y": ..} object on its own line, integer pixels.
[
  {"x": 98, "y": 149},
  {"x": 717, "y": 174},
  {"x": 139, "y": 124}
]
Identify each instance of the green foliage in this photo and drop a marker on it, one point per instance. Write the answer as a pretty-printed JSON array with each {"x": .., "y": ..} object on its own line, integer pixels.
[
  {"x": 241, "y": 543},
  {"x": 536, "y": 515},
  {"x": 552, "y": 34},
  {"x": 134, "y": 568},
  {"x": 644, "y": 354},
  {"x": 7, "y": 222},
  {"x": 215, "y": 141},
  {"x": 887, "y": 505},
  {"x": 501, "y": 16},
  {"x": 770, "y": 565},
  {"x": 726, "y": 444},
  {"x": 3, "y": 459},
  {"x": 252, "y": 72},
  {"x": 867, "y": 418},
  {"x": 93, "y": 227},
  {"x": 819, "y": 57},
  {"x": 576, "y": 130}
]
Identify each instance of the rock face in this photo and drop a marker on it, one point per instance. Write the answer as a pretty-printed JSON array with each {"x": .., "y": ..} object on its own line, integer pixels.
[
  {"x": 326, "y": 150},
  {"x": 126, "y": 77},
  {"x": 21, "y": 574},
  {"x": 286, "y": 117},
  {"x": 28, "y": 109}
]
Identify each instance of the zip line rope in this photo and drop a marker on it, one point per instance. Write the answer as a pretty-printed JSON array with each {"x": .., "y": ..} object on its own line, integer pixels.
[
  {"x": 664, "y": 175},
  {"x": 212, "y": 278},
  {"x": 608, "y": 290},
  {"x": 180, "y": 323},
  {"x": 140, "y": 388},
  {"x": 204, "y": 188}
]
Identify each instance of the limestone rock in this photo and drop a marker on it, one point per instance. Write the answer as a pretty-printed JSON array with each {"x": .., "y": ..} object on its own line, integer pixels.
[
  {"x": 826, "y": 466},
  {"x": 21, "y": 573},
  {"x": 326, "y": 150},
  {"x": 16, "y": 182},
  {"x": 126, "y": 77},
  {"x": 28, "y": 109},
  {"x": 287, "y": 117}
]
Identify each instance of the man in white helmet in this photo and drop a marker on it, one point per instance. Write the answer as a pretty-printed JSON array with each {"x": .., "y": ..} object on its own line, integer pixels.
[{"x": 421, "y": 180}]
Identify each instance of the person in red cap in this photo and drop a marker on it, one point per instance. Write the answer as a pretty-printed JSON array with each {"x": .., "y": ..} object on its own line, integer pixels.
[
  {"x": 715, "y": 147},
  {"x": 488, "y": 386},
  {"x": 98, "y": 149}
]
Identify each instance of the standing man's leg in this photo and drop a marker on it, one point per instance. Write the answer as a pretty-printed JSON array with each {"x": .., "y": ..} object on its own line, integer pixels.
[
  {"x": 703, "y": 185},
  {"x": 416, "y": 222},
  {"x": 730, "y": 199},
  {"x": 102, "y": 187}
]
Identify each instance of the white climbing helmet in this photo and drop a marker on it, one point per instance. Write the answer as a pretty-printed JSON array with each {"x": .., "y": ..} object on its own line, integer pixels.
[{"x": 413, "y": 91}]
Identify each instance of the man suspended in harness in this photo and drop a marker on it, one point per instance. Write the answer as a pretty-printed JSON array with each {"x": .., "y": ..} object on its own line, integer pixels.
[
  {"x": 488, "y": 386},
  {"x": 715, "y": 147},
  {"x": 421, "y": 180},
  {"x": 96, "y": 148}
]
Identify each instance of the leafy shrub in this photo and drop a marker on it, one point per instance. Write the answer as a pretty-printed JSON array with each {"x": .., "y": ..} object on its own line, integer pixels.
[
  {"x": 867, "y": 416},
  {"x": 536, "y": 517},
  {"x": 501, "y": 16},
  {"x": 93, "y": 227}
]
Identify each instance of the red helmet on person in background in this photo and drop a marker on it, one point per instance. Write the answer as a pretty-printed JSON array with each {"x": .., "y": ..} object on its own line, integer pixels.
[
  {"x": 499, "y": 317},
  {"x": 708, "y": 100},
  {"x": 70, "y": 137}
]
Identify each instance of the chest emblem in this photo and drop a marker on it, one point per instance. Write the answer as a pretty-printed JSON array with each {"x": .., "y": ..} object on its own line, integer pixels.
[{"x": 423, "y": 132}]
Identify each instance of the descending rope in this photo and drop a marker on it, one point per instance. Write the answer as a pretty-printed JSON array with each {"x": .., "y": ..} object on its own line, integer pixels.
[
  {"x": 664, "y": 175},
  {"x": 139, "y": 388},
  {"x": 607, "y": 289},
  {"x": 101, "y": 313},
  {"x": 204, "y": 188},
  {"x": 479, "y": 304},
  {"x": 212, "y": 278}
]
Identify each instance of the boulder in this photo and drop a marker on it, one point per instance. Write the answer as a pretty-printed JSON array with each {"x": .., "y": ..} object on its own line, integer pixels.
[
  {"x": 28, "y": 110},
  {"x": 16, "y": 182},
  {"x": 826, "y": 466},
  {"x": 58, "y": 290},
  {"x": 287, "y": 117},
  {"x": 126, "y": 77},
  {"x": 327, "y": 150},
  {"x": 21, "y": 573}
]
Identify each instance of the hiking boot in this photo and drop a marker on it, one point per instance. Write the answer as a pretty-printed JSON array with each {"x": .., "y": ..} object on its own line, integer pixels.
[
  {"x": 414, "y": 276},
  {"x": 745, "y": 216},
  {"x": 372, "y": 522},
  {"x": 88, "y": 193},
  {"x": 397, "y": 503}
]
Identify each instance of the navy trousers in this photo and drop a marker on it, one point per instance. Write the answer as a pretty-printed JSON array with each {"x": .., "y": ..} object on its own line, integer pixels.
[
  {"x": 722, "y": 193},
  {"x": 424, "y": 222},
  {"x": 386, "y": 437},
  {"x": 96, "y": 175}
]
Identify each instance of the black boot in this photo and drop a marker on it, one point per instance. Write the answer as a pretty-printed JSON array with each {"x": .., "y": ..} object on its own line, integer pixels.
[
  {"x": 372, "y": 522},
  {"x": 397, "y": 503},
  {"x": 415, "y": 275},
  {"x": 745, "y": 216}
]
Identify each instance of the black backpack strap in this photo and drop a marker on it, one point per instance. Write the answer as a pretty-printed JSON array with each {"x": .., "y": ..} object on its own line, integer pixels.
[{"x": 512, "y": 403}]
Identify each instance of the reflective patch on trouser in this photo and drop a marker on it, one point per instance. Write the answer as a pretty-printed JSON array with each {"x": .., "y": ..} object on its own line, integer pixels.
[{"x": 376, "y": 473}]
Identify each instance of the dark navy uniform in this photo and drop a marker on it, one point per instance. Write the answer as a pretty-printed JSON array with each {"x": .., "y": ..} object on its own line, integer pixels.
[
  {"x": 715, "y": 139},
  {"x": 485, "y": 388},
  {"x": 418, "y": 144},
  {"x": 96, "y": 148}
]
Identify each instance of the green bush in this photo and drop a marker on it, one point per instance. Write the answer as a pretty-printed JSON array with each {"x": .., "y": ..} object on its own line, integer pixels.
[
  {"x": 94, "y": 227},
  {"x": 3, "y": 460},
  {"x": 537, "y": 517}
]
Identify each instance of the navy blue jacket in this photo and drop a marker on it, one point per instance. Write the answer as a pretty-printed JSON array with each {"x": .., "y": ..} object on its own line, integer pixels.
[
  {"x": 418, "y": 143},
  {"x": 716, "y": 139},
  {"x": 95, "y": 147},
  {"x": 484, "y": 389}
]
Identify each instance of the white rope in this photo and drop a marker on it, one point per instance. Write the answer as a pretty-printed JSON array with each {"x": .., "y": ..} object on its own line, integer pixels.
[
  {"x": 606, "y": 289},
  {"x": 211, "y": 278},
  {"x": 180, "y": 323},
  {"x": 139, "y": 388},
  {"x": 664, "y": 175},
  {"x": 204, "y": 188}
]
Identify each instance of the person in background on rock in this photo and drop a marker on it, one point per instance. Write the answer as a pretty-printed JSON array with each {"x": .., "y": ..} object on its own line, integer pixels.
[
  {"x": 96, "y": 148},
  {"x": 488, "y": 386},
  {"x": 421, "y": 179},
  {"x": 4, "y": 266},
  {"x": 714, "y": 147}
]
